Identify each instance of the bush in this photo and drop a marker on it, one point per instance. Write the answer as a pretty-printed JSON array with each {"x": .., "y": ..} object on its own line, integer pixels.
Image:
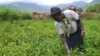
[
  {"x": 13, "y": 14},
  {"x": 94, "y": 8}
]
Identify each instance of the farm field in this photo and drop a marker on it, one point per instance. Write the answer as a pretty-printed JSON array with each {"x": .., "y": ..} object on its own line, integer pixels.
[{"x": 39, "y": 38}]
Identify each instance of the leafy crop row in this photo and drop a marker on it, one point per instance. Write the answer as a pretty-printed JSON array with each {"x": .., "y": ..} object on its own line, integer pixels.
[{"x": 39, "y": 38}]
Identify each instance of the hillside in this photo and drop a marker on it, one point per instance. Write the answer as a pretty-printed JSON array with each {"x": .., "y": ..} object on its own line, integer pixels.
[
  {"x": 27, "y": 6},
  {"x": 95, "y": 1},
  {"x": 83, "y": 4},
  {"x": 43, "y": 8}
]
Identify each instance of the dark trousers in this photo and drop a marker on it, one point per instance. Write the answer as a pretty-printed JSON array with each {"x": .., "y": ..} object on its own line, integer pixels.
[{"x": 75, "y": 40}]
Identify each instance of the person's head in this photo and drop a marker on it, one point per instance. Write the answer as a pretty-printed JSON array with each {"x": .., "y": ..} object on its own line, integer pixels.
[
  {"x": 56, "y": 14},
  {"x": 72, "y": 7}
]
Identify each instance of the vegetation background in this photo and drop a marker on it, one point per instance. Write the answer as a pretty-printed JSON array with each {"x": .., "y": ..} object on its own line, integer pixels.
[{"x": 22, "y": 35}]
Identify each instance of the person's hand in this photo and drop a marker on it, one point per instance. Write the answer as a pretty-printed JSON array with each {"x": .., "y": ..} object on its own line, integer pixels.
[
  {"x": 68, "y": 52},
  {"x": 83, "y": 33}
]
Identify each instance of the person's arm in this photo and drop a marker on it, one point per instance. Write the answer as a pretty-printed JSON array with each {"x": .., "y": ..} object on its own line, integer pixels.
[
  {"x": 63, "y": 38},
  {"x": 61, "y": 32}
]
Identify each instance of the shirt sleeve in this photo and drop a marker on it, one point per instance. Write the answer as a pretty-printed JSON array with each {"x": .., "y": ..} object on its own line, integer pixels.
[{"x": 60, "y": 28}]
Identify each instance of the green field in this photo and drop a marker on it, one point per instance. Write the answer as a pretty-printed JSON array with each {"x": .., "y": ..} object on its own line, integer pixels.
[{"x": 39, "y": 38}]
